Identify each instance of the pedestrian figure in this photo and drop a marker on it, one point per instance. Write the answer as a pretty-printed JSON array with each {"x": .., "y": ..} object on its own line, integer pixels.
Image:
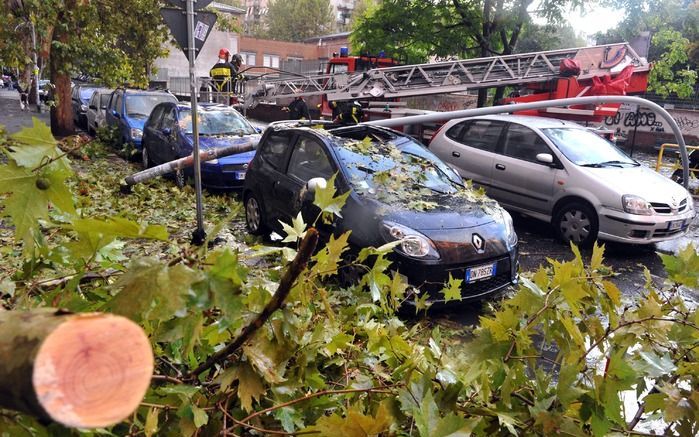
[
  {"x": 298, "y": 109},
  {"x": 23, "y": 91},
  {"x": 223, "y": 74},
  {"x": 351, "y": 114}
]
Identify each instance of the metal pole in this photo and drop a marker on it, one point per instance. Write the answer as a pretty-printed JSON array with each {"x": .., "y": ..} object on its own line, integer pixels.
[
  {"x": 199, "y": 235},
  {"x": 592, "y": 100},
  {"x": 635, "y": 129},
  {"x": 35, "y": 70}
]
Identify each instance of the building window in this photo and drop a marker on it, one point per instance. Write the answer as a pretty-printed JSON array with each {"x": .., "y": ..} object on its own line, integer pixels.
[
  {"x": 271, "y": 61},
  {"x": 294, "y": 59},
  {"x": 248, "y": 58}
]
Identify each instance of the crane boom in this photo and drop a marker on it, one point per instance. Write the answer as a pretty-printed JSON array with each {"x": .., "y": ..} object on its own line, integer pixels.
[{"x": 453, "y": 76}]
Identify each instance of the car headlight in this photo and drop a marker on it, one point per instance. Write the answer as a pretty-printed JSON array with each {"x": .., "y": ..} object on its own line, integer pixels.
[
  {"x": 636, "y": 205},
  {"x": 83, "y": 108},
  {"x": 509, "y": 228},
  {"x": 690, "y": 202},
  {"x": 136, "y": 133},
  {"x": 413, "y": 243},
  {"x": 211, "y": 161}
]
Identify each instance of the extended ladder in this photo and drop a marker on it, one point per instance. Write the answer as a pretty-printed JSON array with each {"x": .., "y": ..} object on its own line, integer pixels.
[{"x": 452, "y": 76}]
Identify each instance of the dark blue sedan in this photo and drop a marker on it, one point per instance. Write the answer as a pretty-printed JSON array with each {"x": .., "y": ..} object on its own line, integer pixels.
[{"x": 167, "y": 135}]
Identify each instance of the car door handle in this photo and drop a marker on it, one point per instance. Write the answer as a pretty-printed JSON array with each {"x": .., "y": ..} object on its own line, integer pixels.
[
  {"x": 455, "y": 154},
  {"x": 500, "y": 166}
]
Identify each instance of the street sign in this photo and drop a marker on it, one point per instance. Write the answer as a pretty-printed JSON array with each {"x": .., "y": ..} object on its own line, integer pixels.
[
  {"x": 198, "y": 4},
  {"x": 176, "y": 20}
]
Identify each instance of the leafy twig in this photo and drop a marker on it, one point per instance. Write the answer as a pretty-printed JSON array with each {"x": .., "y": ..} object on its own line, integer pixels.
[{"x": 306, "y": 249}]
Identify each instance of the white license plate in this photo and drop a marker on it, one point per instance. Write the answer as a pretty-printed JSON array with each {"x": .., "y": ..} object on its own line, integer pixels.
[
  {"x": 480, "y": 272},
  {"x": 240, "y": 175},
  {"x": 674, "y": 225}
]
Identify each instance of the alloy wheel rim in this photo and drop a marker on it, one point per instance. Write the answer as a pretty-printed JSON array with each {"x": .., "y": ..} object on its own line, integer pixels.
[
  {"x": 575, "y": 226},
  {"x": 253, "y": 214}
]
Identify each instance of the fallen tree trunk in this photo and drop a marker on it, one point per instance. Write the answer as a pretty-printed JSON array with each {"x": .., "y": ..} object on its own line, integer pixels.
[
  {"x": 82, "y": 370},
  {"x": 187, "y": 161}
]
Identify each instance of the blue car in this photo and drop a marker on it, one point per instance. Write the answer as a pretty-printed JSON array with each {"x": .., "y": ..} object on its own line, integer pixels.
[
  {"x": 128, "y": 111},
  {"x": 167, "y": 136}
]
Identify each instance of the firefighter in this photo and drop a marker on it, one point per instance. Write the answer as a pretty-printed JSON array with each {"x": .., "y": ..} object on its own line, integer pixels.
[
  {"x": 223, "y": 74},
  {"x": 298, "y": 109},
  {"x": 351, "y": 114}
]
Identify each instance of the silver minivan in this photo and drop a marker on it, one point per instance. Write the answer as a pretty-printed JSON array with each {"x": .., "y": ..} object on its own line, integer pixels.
[
  {"x": 96, "y": 111},
  {"x": 562, "y": 173}
]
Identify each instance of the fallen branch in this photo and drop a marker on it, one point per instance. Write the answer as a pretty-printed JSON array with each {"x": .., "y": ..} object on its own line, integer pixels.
[{"x": 308, "y": 245}]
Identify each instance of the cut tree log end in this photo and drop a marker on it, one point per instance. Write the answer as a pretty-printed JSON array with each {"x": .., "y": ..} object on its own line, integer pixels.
[{"x": 93, "y": 370}]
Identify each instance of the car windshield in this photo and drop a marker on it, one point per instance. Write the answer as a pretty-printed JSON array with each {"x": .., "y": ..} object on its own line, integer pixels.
[
  {"x": 588, "y": 149},
  {"x": 141, "y": 105},
  {"x": 373, "y": 167},
  {"x": 86, "y": 93},
  {"x": 219, "y": 122}
]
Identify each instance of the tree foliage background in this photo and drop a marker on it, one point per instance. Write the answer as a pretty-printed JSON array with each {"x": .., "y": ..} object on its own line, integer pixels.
[
  {"x": 296, "y": 20},
  {"x": 674, "y": 49}
]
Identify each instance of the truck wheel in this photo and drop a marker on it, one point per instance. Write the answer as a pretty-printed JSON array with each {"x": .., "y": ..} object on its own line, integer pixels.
[{"x": 576, "y": 222}]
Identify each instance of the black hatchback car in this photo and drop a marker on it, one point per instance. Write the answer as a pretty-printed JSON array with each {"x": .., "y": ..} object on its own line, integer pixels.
[{"x": 399, "y": 190}]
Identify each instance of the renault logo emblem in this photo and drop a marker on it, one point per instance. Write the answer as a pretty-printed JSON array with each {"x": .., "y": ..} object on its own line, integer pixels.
[{"x": 478, "y": 242}]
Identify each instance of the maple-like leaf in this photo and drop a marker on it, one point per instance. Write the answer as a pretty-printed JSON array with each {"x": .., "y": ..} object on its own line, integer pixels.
[
  {"x": 329, "y": 257},
  {"x": 31, "y": 195},
  {"x": 250, "y": 385},
  {"x": 452, "y": 290},
  {"x": 296, "y": 231},
  {"x": 354, "y": 424},
  {"x": 37, "y": 145},
  {"x": 325, "y": 199},
  {"x": 151, "y": 290}
]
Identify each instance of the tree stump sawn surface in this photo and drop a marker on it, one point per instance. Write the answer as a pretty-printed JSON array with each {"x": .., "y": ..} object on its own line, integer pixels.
[{"x": 85, "y": 370}]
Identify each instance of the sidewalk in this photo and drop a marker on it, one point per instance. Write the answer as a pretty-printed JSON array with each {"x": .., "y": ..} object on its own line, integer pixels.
[{"x": 13, "y": 118}]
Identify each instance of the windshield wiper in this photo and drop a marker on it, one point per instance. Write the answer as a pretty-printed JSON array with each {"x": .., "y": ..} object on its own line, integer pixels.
[{"x": 619, "y": 163}]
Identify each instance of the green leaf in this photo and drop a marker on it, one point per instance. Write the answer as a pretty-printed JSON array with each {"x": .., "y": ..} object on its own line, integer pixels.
[
  {"x": 151, "y": 425},
  {"x": 328, "y": 258},
  {"x": 355, "y": 424},
  {"x": 150, "y": 290},
  {"x": 250, "y": 386},
  {"x": 684, "y": 267},
  {"x": 200, "y": 417},
  {"x": 657, "y": 366},
  {"x": 37, "y": 145},
  {"x": 326, "y": 200},
  {"x": 296, "y": 231},
  {"x": 267, "y": 357},
  {"x": 452, "y": 291}
]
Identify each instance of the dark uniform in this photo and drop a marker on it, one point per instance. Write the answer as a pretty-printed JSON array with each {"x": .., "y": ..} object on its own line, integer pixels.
[
  {"x": 298, "y": 109},
  {"x": 223, "y": 75},
  {"x": 350, "y": 113}
]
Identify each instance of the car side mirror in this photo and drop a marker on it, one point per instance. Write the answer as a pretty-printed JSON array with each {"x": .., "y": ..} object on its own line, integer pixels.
[
  {"x": 545, "y": 158},
  {"x": 258, "y": 130},
  {"x": 166, "y": 131},
  {"x": 116, "y": 114},
  {"x": 316, "y": 183}
]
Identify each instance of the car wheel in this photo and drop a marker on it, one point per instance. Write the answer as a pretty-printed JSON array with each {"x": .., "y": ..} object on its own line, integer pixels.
[
  {"x": 180, "y": 179},
  {"x": 577, "y": 222},
  {"x": 145, "y": 160},
  {"x": 254, "y": 215}
]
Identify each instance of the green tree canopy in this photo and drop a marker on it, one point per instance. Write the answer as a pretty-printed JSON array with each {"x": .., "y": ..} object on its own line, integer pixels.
[
  {"x": 296, "y": 20},
  {"x": 674, "y": 49},
  {"x": 113, "y": 41}
]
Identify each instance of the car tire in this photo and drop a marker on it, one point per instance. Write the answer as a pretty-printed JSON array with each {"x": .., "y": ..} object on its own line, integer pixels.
[
  {"x": 576, "y": 222},
  {"x": 254, "y": 215},
  {"x": 145, "y": 159},
  {"x": 180, "y": 178}
]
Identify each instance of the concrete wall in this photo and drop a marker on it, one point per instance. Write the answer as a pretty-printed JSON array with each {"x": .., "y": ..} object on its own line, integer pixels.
[
  {"x": 651, "y": 128},
  {"x": 176, "y": 64}
]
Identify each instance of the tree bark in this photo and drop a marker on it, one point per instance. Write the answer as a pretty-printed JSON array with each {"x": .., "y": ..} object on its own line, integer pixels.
[
  {"x": 81, "y": 370},
  {"x": 62, "y": 111}
]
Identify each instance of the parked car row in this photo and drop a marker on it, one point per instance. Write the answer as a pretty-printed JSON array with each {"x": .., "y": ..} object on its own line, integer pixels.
[{"x": 552, "y": 170}]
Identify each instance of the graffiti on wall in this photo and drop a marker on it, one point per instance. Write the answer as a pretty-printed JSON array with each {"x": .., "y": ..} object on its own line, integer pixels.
[{"x": 646, "y": 119}]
